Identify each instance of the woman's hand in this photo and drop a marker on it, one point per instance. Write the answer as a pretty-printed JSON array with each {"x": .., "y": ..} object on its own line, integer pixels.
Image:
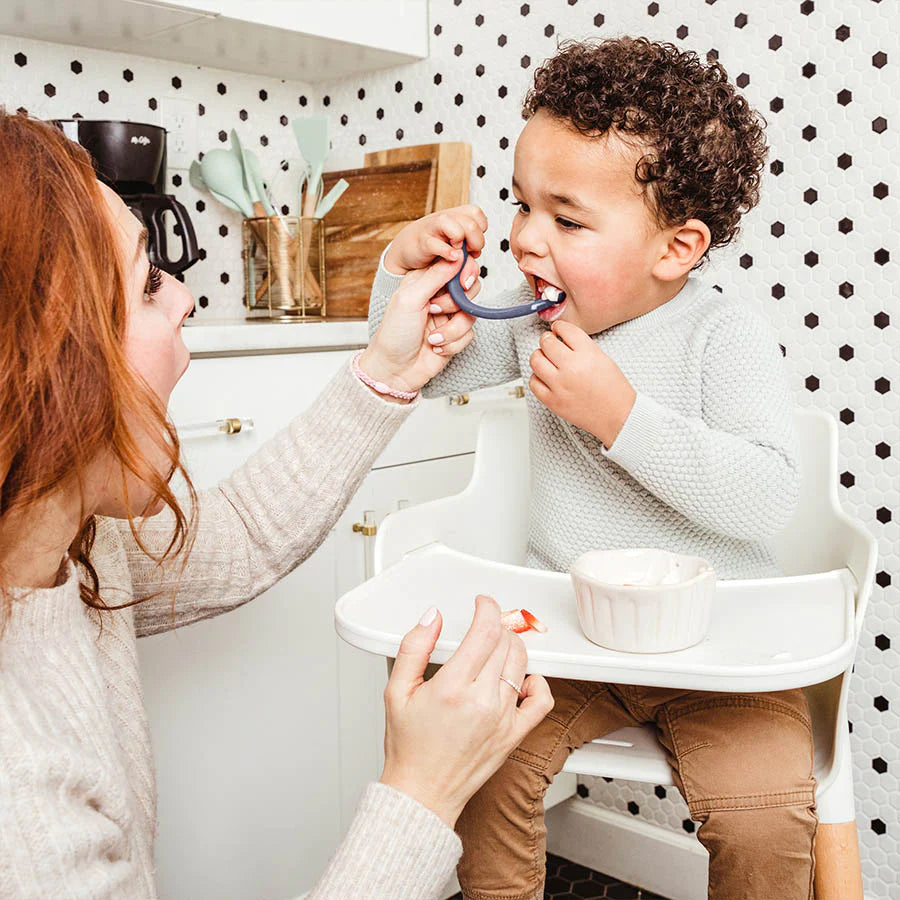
[
  {"x": 445, "y": 737},
  {"x": 411, "y": 346}
]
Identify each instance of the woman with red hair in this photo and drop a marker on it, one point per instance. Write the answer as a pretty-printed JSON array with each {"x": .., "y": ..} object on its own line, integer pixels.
[{"x": 96, "y": 550}]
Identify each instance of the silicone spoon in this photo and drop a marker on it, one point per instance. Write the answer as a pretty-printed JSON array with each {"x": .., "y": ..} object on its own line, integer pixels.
[
  {"x": 253, "y": 169},
  {"x": 311, "y": 134},
  {"x": 261, "y": 207},
  {"x": 332, "y": 197},
  {"x": 197, "y": 181},
  {"x": 223, "y": 173},
  {"x": 491, "y": 312}
]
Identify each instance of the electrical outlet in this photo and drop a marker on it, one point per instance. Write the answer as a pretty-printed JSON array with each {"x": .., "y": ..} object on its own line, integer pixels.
[{"x": 178, "y": 115}]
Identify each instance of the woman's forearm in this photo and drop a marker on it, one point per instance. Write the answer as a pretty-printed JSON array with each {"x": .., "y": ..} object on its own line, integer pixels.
[
  {"x": 270, "y": 514},
  {"x": 395, "y": 849}
]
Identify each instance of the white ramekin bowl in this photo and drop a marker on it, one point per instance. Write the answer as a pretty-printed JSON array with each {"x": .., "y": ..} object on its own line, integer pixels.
[{"x": 643, "y": 600}]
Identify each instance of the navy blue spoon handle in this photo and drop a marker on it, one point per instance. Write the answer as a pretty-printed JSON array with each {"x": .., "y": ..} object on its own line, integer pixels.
[{"x": 492, "y": 312}]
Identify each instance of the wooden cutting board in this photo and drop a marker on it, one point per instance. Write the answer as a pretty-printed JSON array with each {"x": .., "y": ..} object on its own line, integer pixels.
[
  {"x": 454, "y": 163},
  {"x": 380, "y": 200}
]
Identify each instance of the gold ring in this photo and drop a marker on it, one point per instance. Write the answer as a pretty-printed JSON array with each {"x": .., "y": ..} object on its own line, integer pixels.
[{"x": 516, "y": 687}]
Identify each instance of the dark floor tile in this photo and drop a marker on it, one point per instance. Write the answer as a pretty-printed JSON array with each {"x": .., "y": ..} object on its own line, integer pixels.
[
  {"x": 569, "y": 881},
  {"x": 622, "y": 892},
  {"x": 589, "y": 890}
]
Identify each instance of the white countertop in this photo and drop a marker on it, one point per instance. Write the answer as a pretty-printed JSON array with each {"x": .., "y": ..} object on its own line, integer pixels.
[{"x": 236, "y": 336}]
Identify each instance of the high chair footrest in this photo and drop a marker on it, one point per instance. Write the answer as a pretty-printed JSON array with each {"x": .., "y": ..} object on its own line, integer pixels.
[
  {"x": 633, "y": 754},
  {"x": 766, "y": 635}
]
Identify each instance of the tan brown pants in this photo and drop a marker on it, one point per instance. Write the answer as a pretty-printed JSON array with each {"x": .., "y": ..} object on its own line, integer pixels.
[{"x": 743, "y": 762}]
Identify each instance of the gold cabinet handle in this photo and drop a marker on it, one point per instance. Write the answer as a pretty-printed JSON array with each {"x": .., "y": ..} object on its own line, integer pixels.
[
  {"x": 517, "y": 392},
  {"x": 364, "y": 529},
  {"x": 368, "y": 529},
  {"x": 227, "y": 426}
]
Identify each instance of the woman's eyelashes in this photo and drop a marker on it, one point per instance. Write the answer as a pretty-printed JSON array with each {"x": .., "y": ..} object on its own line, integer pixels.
[{"x": 154, "y": 281}]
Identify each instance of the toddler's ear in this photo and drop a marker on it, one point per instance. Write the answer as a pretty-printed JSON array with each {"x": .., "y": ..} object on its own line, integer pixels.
[{"x": 685, "y": 245}]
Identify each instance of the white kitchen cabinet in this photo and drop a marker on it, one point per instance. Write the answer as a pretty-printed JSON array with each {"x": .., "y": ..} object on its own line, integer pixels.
[
  {"x": 306, "y": 40},
  {"x": 397, "y": 26},
  {"x": 243, "y": 708}
]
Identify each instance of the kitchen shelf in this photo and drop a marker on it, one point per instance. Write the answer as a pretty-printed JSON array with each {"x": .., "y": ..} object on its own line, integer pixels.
[{"x": 303, "y": 40}]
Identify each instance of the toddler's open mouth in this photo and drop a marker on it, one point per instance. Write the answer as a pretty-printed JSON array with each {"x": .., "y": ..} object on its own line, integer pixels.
[{"x": 543, "y": 290}]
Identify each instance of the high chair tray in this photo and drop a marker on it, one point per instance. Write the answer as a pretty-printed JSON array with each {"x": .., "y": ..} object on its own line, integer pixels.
[{"x": 766, "y": 634}]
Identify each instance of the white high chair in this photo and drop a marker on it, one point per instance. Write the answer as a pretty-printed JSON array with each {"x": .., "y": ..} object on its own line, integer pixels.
[{"x": 489, "y": 521}]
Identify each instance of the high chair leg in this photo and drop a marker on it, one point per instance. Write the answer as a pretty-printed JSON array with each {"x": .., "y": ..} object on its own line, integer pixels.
[{"x": 838, "y": 872}]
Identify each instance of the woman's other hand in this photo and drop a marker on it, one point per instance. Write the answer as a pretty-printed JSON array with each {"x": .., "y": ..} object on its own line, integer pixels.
[
  {"x": 417, "y": 336},
  {"x": 445, "y": 737}
]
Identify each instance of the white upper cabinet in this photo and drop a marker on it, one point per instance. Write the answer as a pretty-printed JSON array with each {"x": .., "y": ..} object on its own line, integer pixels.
[{"x": 304, "y": 40}]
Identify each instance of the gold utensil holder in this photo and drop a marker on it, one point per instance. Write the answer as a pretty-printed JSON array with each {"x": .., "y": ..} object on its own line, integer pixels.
[{"x": 284, "y": 267}]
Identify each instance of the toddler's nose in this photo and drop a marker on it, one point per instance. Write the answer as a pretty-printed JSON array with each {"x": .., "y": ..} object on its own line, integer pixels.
[{"x": 531, "y": 239}]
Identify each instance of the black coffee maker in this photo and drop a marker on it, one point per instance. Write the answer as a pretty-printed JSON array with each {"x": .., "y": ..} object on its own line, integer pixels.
[{"x": 131, "y": 158}]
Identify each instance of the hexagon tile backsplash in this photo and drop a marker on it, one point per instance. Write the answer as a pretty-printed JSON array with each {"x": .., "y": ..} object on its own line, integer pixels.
[
  {"x": 63, "y": 81},
  {"x": 819, "y": 254}
]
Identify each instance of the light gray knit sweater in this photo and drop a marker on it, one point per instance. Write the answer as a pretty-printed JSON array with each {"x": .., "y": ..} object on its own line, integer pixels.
[
  {"x": 77, "y": 791},
  {"x": 706, "y": 462}
]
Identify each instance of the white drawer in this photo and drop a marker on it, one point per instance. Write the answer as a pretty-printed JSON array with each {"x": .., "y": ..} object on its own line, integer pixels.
[{"x": 272, "y": 389}]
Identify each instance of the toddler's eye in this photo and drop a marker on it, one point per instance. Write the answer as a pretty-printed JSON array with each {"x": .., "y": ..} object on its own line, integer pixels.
[
  {"x": 569, "y": 226},
  {"x": 154, "y": 281},
  {"x": 523, "y": 207}
]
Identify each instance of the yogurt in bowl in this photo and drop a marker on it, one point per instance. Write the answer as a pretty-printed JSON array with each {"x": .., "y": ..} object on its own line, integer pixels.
[{"x": 643, "y": 600}]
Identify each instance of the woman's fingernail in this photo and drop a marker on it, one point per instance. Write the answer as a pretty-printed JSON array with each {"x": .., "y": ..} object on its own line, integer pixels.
[
  {"x": 455, "y": 254},
  {"x": 435, "y": 339},
  {"x": 428, "y": 616},
  {"x": 434, "y": 308},
  {"x": 438, "y": 349},
  {"x": 469, "y": 282}
]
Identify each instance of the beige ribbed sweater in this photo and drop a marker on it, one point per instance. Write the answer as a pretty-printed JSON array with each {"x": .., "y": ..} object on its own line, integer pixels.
[{"x": 77, "y": 791}]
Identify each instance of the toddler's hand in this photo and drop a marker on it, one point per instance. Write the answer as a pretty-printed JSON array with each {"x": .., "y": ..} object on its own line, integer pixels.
[
  {"x": 438, "y": 235},
  {"x": 575, "y": 379}
]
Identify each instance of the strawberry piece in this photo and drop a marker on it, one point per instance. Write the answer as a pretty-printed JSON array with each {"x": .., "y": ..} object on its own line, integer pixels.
[
  {"x": 514, "y": 621},
  {"x": 533, "y": 621},
  {"x": 520, "y": 620}
]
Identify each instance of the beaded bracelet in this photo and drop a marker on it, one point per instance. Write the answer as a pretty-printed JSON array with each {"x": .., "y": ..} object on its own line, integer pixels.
[{"x": 379, "y": 386}]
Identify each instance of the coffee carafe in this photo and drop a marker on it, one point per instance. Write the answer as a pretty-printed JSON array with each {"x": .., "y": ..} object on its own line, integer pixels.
[{"x": 131, "y": 158}]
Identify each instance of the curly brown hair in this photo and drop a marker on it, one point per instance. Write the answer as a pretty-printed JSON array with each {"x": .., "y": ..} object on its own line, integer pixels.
[{"x": 703, "y": 144}]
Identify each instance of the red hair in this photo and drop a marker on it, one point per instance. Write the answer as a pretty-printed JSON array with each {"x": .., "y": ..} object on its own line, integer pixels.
[{"x": 67, "y": 392}]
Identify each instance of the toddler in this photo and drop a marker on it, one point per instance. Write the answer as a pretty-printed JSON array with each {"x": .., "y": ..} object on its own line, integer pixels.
[{"x": 659, "y": 417}]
